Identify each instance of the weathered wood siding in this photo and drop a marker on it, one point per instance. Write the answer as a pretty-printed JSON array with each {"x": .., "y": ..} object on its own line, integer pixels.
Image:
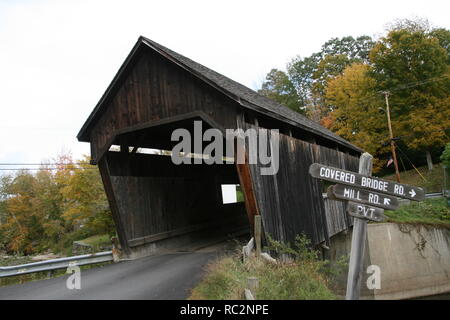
[
  {"x": 290, "y": 202},
  {"x": 335, "y": 211},
  {"x": 156, "y": 89}
]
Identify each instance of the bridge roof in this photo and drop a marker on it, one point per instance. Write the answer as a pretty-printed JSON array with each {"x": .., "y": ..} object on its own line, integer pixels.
[{"x": 245, "y": 96}]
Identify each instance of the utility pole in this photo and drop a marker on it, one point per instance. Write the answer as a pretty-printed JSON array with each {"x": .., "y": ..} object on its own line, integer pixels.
[{"x": 391, "y": 136}]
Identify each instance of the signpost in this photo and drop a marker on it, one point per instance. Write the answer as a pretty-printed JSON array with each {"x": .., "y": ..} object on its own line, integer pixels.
[
  {"x": 367, "y": 198},
  {"x": 343, "y": 192},
  {"x": 366, "y": 182},
  {"x": 365, "y": 212}
]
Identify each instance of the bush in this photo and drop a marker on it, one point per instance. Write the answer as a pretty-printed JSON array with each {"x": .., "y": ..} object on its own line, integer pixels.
[
  {"x": 445, "y": 157},
  {"x": 303, "y": 277}
]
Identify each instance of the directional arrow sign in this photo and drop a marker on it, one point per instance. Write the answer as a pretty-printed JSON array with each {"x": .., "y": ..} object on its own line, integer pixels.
[
  {"x": 365, "y": 212},
  {"x": 365, "y": 182},
  {"x": 343, "y": 192}
]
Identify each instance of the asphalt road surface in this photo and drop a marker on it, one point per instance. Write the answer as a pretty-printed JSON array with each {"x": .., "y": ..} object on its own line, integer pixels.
[{"x": 168, "y": 276}]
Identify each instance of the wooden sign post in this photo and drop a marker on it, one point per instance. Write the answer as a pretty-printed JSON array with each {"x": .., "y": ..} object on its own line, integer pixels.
[
  {"x": 367, "y": 198},
  {"x": 359, "y": 236}
]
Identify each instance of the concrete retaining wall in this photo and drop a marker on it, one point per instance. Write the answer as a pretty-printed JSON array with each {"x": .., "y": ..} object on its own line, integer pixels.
[{"x": 414, "y": 260}]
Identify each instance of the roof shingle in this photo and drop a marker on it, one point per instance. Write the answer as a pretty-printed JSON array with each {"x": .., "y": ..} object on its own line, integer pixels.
[{"x": 244, "y": 95}]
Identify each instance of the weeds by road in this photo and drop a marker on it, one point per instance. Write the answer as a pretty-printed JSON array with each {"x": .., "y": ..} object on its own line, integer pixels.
[{"x": 301, "y": 277}]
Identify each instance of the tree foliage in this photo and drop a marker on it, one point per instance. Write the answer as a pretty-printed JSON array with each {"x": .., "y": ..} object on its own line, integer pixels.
[
  {"x": 445, "y": 157},
  {"x": 342, "y": 87},
  {"x": 51, "y": 208},
  {"x": 414, "y": 67},
  {"x": 280, "y": 88},
  {"x": 310, "y": 75},
  {"x": 358, "y": 110}
]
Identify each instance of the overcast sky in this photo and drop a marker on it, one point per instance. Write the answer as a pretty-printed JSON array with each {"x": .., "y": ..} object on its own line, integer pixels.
[{"x": 58, "y": 57}]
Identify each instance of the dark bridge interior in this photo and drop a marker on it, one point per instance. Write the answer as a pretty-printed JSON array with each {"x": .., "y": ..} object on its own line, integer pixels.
[{"x": 171, "y": 205}]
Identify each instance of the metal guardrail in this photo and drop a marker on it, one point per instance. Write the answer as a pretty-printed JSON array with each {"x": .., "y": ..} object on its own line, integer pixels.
[
  {"x": 434, "y": 195},
  {"x": 55, "y": 264}
]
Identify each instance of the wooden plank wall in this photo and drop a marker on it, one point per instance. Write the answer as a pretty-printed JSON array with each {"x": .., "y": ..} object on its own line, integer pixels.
[
  {"x": 291, "y": 202},
  {"x": 335, "y": 211},
  {"x": 156, "y": 89}
]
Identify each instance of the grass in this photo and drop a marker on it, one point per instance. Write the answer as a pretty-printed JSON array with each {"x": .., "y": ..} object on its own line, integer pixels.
[
  {"x": 303, "y": 278},
  {"x": 433, "y": 212},
  {"x": 14, "y": 260},
  {"x": 434, "y": 179},
  {"x": 98, "y": 241}
]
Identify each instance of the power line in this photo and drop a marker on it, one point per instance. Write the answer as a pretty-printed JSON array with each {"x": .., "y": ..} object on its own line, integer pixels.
[
  {"x": 45, "y": 164},
  {"x": 407, "y": 158},
  {"x": 418, "y": 83},
  {"x": 45, "y": 169},
  {"x": 397, "y": 88},
  {"x": 416, "y": 133}
]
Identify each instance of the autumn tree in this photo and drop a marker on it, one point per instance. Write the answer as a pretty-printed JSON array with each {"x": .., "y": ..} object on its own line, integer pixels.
[
  {"x": 357, "y": 113},
  {"x": 413, "y": 65},
  {"x": 49, "y": 209},
  {"x": 85, "y": 200},
  {"x": 23, "y": 225}
]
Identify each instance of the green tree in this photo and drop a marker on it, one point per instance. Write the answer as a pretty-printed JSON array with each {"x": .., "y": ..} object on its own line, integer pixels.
[
  {"x": 443, "y": 36},
  {"x": 280, "y": 88},
  {"x": 445, "y": 157},
  {"x": 356, "y": 50},
  {"x": 309, "y": 75}
]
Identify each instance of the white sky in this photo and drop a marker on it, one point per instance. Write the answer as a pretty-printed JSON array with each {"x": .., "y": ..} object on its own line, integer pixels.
[{"x": 58, "y": 57}]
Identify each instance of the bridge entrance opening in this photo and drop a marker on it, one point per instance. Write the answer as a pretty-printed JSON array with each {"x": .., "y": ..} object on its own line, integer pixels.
[{"x": 159, "y": 205}]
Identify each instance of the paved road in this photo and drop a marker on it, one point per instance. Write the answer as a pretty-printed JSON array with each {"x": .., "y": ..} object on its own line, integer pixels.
[{"x": 168, "y": 276}]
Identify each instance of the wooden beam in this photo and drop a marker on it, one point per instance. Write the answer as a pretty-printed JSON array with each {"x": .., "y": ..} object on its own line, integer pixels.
[
  {"x": 106, "y": 178},
  {"x": 100, "y": 151},
  {"x": 178, "y": 232},
  {"x": 245, "y": 180}
]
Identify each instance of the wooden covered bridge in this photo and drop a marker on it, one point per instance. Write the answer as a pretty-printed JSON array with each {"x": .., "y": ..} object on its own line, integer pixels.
[{"x": 157, "y": 204}]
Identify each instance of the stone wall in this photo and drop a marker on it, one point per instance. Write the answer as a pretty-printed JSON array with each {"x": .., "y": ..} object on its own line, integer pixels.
[{"x": 414, "y": 260}]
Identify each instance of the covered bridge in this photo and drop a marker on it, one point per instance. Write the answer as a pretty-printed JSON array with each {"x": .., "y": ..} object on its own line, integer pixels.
[{"x": 157, "y": 204}]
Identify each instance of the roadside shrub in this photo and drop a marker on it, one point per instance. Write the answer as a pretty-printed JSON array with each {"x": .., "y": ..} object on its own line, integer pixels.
[{"x": 302, "y": 276}]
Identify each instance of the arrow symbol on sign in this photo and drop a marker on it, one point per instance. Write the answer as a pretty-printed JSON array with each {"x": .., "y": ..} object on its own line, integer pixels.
[{"x": 412, "y": 193}]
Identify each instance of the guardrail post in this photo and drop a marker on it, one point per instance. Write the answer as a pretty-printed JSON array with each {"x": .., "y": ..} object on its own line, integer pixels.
[{"x": 50, "y": 274}]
